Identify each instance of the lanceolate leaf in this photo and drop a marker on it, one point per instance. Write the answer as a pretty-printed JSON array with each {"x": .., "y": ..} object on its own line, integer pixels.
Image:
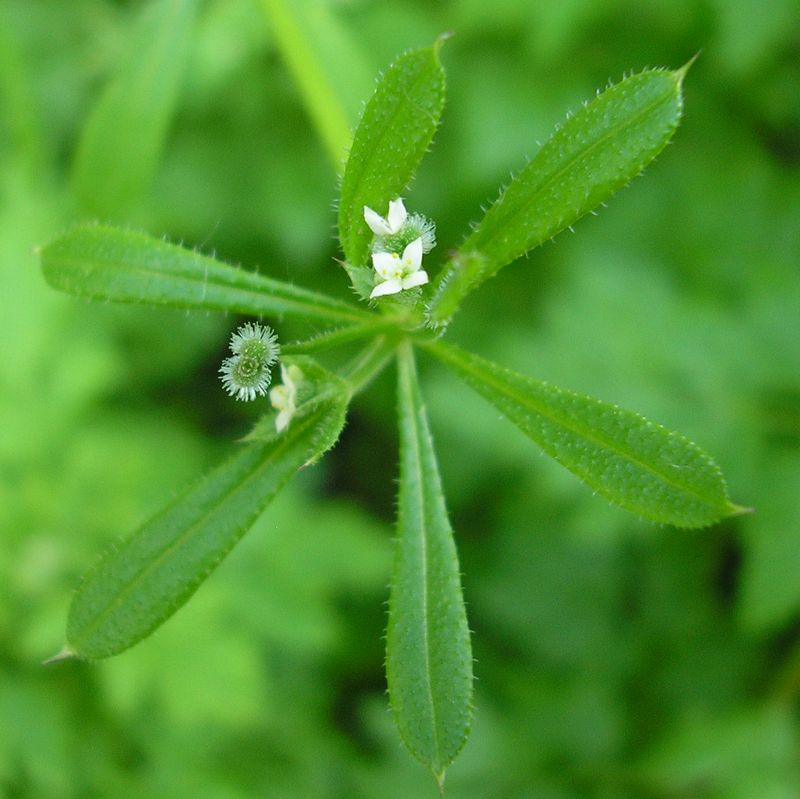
[
  {"x": 123, "y": 138},
  {"x": 631, "y": 461},
  {"x": 428, "y": 656},
  {"x": 127, "y": 266},
  {"x": 592, "y": 155},
  {"x": 139, "y": 584},
  {"x": 393, "y": 135}
]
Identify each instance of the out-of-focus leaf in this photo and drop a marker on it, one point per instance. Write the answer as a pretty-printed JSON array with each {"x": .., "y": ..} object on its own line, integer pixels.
[
  {"x": 124, "y": 136},
  {"x": 745, "y": 37},
  {"x": 770, "y": 593},
  {"x": 324, "y": 61},
  {"x": 428, "y": 655},
  {"x": 394, "y": 132},
  {"x": 747, "y": 753},
  {"x": 19, "y": 124},
  {"x": 630, "y": 460},
  {"x": 141, "y": 582},
  {"x": 593, "y": 154},
  {"x": 127, "y": 266}
]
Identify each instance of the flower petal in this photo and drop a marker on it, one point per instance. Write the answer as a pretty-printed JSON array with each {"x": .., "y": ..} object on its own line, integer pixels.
[
  {"x": 282, "y": 420},
  {"x": 387, "y": 287},
  {"x": 412, "y": 255},
  {"x": 397, "y": 215},
  {"x": 377, "y": 224},
  {"x": 292, "y": 378},
  {"x": 387, "y": 265},
  {"x": 279, "y": 397},
  {"x": 419, "y": 278}
]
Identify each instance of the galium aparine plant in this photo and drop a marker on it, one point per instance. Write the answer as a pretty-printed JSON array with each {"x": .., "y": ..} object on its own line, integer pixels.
[{"x": 404, "y": 303}]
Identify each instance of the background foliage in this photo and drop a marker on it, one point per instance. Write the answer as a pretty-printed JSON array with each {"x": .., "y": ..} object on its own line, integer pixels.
[{"x": 615, "y": 659}]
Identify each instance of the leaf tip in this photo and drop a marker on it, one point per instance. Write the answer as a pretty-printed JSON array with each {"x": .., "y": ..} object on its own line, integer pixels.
[
  {"x": 680, "y": 73},
  {"x": 65, "y": 653},
  {"x": 440, "y": 40},
  {"x": 739, "y": 510}
]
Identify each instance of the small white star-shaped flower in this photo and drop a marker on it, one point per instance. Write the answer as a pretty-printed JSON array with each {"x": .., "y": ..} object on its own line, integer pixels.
[
  {"x": 284, "y": 396},
  {"x": 394, "y": 219},
  {"x": 399, "y": 272}
]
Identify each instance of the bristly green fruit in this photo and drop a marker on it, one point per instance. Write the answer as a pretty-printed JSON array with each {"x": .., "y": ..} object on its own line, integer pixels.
[
  {"x": 631, "y": 461},
  {"x": 594, "y": 153},
  {"x": 428, "y": 654}
]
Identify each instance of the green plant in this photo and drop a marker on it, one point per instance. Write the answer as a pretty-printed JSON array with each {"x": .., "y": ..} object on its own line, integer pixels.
[{"x": 632, "y": 462}]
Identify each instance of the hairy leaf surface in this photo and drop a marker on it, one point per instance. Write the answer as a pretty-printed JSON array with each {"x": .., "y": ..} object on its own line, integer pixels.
[
  {"x": 630, "y": 460},
  {"x": 428, "y": 655},
  {"x": 593, "y": 154},
  {"x": 394, "y": 132},
  {"x": 141, "y": 582},
  {"x": 127, "y": 266}
]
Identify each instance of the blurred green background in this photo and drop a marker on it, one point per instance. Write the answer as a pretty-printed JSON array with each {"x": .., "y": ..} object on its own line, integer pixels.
[{"x": 614, "y": 659}]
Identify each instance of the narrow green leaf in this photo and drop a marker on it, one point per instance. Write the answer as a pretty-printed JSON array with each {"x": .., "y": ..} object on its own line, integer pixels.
[
  {"x": 631, "y": 461},
  {"x": 127, "y": 266},
  {"x": 123, "y": 138},
  {"x": 456, "y": 280},
  {"x": 428, "y": 655},
  {"x": 593, "y": 154},
  {"x": 139, "y": 584},
  {"x": 395, "y": 131}
]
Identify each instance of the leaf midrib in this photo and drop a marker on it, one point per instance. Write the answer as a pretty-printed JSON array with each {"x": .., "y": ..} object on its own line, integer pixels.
[
  {"x": 367, "y": 162},
  {"x": 583, "y": 153},
  {"x": 174, "y": 544},
  {"x": 525, "y": 401},
  {"x": 328, "y": 308},
  {"x": 411, "y": 410}
]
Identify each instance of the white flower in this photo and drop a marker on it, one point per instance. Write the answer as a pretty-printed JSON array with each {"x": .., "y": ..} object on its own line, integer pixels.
[
  {"x": 399, "y": 272},
  {"x": 284, "y": 397},
  {"x": 393, "y": 222}
]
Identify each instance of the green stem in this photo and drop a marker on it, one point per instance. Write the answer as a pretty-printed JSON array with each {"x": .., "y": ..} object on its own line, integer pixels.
[
  {"x": 369, "y": 363},
  {"x": 322, "y": 102},
  {"x": 339, "y": 336}
]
